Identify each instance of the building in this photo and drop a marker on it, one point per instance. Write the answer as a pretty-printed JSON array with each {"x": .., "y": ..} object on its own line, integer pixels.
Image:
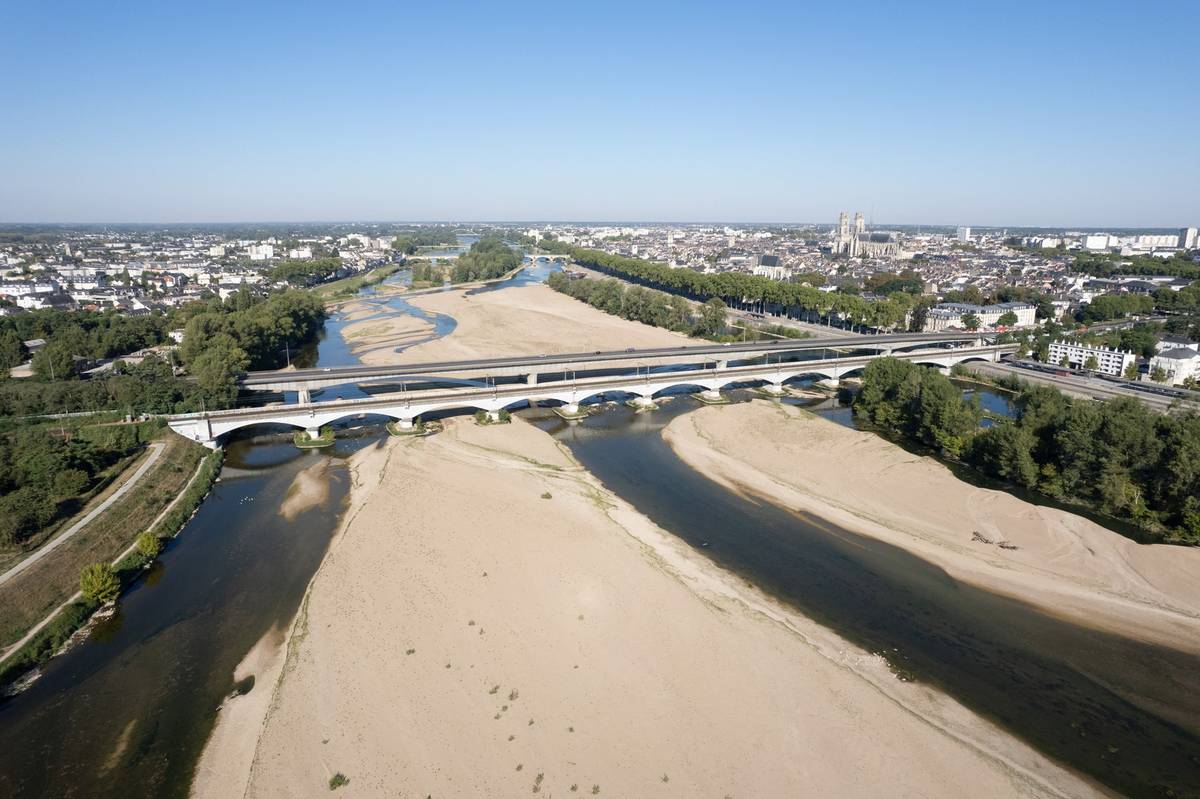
[
  {"x": 1189, "y": 238},
  {"x": 1178, "y": 365},
  {"x": 963, "y": 234},
  {"x": 855, "y": 241},
  {"x": 1076, "y": 356},
  {"x": 261, "y": 252},
  {"x": 946, "y": 315}
]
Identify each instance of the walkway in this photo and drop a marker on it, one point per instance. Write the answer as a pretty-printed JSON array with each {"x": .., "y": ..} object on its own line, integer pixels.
[{"x": 156, "y": 450}]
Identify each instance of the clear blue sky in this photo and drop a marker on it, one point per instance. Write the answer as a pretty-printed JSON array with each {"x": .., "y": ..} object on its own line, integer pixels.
[{"x": 955, "y": 113}]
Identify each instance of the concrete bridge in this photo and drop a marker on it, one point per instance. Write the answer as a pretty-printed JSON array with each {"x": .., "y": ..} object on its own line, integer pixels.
[
  {"x": 404, "y": 407},
  {"x": 530, "y": 367}
]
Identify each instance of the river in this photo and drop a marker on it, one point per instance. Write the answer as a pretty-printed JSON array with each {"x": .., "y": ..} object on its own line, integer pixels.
[{"x": 126, "y": 712}]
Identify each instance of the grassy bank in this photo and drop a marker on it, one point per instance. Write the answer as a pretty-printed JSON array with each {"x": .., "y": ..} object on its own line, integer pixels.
[
  {"x": 349, "y": 286},
  {"x": 37, "y": 591},
  {"x": 75, "y": 615}
]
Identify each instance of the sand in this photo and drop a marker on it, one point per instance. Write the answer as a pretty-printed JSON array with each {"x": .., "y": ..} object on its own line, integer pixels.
[
  {"x": 375, "y": 340},
  {"x": 309, "y": 489},
  {"x": 467, "y": 637},
  {"x": 526, "y": 320},
  {"x": 1063, "y": 563}
]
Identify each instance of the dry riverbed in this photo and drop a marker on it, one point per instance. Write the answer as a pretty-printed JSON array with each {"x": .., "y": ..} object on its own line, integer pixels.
[{"x": 490, "y": 620}]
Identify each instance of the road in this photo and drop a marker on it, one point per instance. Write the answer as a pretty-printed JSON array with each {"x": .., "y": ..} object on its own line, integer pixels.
[
  {"x": 1077, "y": 385},
  {"x": 539, "y": 362},
  {"x": 156, "y": 450}
]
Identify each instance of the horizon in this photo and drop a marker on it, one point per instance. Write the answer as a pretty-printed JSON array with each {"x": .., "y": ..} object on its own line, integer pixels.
[{"x": 175, "y": 115}]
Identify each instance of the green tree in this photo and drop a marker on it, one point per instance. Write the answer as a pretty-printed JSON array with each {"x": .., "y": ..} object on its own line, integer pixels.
[
  {"x": 712, "y": 318},
  {"x": 1091, "y": 364},
  {"x": 1131, "y": 372},
  {"x": 970, "y": 321},
  {"x": 1007, "y": 319},
  {"x": 149, "y": 545},
  {"x": 98, "y": 583},
  {"x": 70, "y": 482},
  {"x": 54, "y": 362},
  {"x": 1158, "y": 374}
]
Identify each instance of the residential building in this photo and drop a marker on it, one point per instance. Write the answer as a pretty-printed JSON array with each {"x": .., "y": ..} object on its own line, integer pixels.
[
  {"x": 1189, "y": 239},
  {"x": 1178, "y": 365},
  {"x": 963, "y": 234},
  {"x": 1076, "y": 356},
  {"x": 946, "y": 315}
]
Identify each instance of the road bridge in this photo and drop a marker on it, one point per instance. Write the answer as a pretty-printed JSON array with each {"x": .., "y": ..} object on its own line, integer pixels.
[
  {"x": 530, "y": 367},
  {"x": 208, "y": 428}
]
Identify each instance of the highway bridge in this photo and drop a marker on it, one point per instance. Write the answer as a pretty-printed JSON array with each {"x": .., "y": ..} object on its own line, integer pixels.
[
  {"x": 530, "y": 367},
  {"x": 642, "y": 383}
]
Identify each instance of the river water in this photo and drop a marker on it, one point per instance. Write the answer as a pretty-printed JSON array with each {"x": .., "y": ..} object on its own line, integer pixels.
[{"x": 125, "y": 714}]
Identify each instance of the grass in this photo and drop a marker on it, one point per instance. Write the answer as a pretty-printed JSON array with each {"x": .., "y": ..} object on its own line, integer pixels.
[
  {"x": 349, "y": 286},
  {"x": 30, "y": 596},
  {"x": 337, "y": 781}
]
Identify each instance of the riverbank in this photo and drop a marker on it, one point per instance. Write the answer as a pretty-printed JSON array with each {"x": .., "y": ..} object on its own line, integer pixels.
[
  {"x": 1062, "y": 563},
  {"x": 491, "y": 621}
]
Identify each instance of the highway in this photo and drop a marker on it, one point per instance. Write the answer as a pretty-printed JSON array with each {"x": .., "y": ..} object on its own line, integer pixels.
[{"x": 280, "y": 380}]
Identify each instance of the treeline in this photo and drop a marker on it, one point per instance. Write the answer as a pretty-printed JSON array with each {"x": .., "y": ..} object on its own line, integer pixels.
[
  {"x": 1116, "y": 306},
  {"x": 1108, "y": 264},
  {"x": 246, "y": 331},
  {"x": 148, "y": 387},
  {"x": 408, "y": 241},
  {"x": 1116, "y": 456},
  {"x": 488, "y": 258},
  {"x": 85, "y": 334},
  {"x": 643, "y": 305},
  {"x": 742, "y": 290},
  {"x": 46, "y": 476},
  {"x": 306, "y": 273},
  {"x": 973, "y": 295}
]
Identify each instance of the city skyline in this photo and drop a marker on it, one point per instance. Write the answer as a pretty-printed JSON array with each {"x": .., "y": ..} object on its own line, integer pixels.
[{"x": 935, "y": 115}]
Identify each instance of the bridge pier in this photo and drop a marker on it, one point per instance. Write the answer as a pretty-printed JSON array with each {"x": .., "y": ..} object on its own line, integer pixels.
[
  {"x": 774, "y": 389},
  {"x": 710, "y": 396},
  {"x": 313, "y": 433},
  {"x": 571, "y": 411},
  {"x": 404, "y": 424},
  {"x": 305, "y": 396},
  {"x": 643, "y": 403},
  {"x": 531, "y": 379}
]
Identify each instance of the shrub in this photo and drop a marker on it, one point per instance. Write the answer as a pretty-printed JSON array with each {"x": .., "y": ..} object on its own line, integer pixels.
[
  {"x": 98, "y": 583},
  {"x": 337, "y": 781},
  {"x": 149, "y": 545}
]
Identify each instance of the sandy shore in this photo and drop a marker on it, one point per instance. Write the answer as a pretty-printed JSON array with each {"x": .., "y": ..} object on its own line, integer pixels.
[
  {"x": 529, "y": 319},
  {"x": 1063, "y": 563},
  {"x": 376, "y": 340},
  {"x": 468, "y": 635}
]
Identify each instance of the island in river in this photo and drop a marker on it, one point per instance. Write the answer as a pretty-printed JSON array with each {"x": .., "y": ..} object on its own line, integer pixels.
[{"x": 492, "y": 620}]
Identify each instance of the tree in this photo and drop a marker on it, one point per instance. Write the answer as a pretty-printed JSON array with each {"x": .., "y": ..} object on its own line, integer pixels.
[
  {"x": 70, "y": 482},
  {"x": 54, "y": 362},
  {"x": 1091, "y": 364},
  {"x": 712, "y": 318},
  {"x": 149, "y": 545},
  {"x": 970, "y": 321},
  {"x": 1131, "y": 372},
  {"x": 98, "y": 583},
  {"x": 1158, "y": 374},
  {"x": 1007, "y": 319}
]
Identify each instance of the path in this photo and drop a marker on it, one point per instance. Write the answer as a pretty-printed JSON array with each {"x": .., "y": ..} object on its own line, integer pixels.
[
  {"x": 156, "y": 452},
  {"x": 37, "y": 628}
]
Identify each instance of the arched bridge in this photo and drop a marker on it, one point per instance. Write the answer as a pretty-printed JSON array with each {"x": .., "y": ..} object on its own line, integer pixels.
[{"x": 404, "y": 407}]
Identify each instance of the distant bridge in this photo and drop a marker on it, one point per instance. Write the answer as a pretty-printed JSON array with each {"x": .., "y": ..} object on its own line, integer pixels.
[
  {"x": 531, "y": 367},
  {"x": 404, "y": 407}
]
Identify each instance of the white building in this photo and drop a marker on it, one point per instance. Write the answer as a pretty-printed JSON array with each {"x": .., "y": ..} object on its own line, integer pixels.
[
  {"x": 1109, "y": 362},
  {"x": 946, "y": 315},
  {"x": 1189, "y": 239},
  {"x": 1098, "y": 241},
  {"x": 963, "y": 234},
  {"x": 261, "y": 252},
  {"x": 1179, "y": 365}
]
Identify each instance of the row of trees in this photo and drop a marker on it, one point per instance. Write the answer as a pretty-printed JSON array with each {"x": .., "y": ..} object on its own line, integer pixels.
[
  {"x": 409, "y": 241},
  {"x": 1108, "y": 264},
  {"x": 84, "y": 334},
  {"x": 1116, "y": 306},
  {"x": 1117, "y": 456},
  {"x": 746, "y": 291},
  {"x": 488, "y": 258},
  {"x": 644, "y": 305},
  {"x": 306, "y": 273}
]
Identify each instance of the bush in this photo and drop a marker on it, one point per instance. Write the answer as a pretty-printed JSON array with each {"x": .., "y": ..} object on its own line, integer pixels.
[
  {"x": 149, "y": 545},
  {"x": 337, "y": 781},
  {"x": 98, "y": 583}
]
